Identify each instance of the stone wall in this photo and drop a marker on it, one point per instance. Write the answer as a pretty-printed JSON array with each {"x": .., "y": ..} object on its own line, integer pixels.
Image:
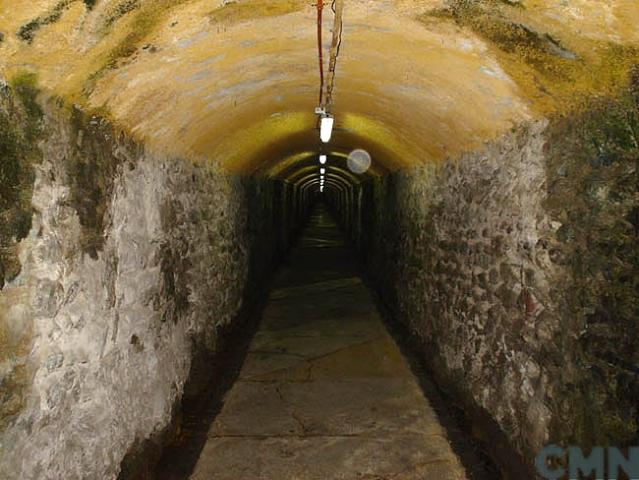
[
  {"x": 516, "y": 269},
  {"x": 461, "y": 268},
  {"x": 134, "y": 264},
  {"x": 19, "y": 127},
  {"x": 592, "y": 170},
  {"x": 20, "y": 124}
]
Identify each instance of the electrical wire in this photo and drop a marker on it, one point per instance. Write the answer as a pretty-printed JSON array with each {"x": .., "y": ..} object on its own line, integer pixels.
[
  {"x": 320, "y": 5},
  {"x": 337, "y": 7}
]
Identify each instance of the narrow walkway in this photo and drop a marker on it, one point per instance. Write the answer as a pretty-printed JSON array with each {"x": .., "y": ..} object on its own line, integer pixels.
[{"x": 324, "y": 392}]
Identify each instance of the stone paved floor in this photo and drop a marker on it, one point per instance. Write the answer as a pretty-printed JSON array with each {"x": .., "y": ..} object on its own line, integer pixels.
[{"x": 324, "y": 392}]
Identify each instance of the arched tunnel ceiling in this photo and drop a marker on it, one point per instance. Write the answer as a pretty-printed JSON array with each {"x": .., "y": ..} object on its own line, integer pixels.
[
  {"x": 236, "y": 82},
  {"x": 331, "y": 178},
  {"x": 298, "y": 165}
]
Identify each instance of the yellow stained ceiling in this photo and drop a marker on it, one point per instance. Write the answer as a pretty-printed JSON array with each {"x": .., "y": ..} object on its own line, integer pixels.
[{"x": 236, "y": 83}]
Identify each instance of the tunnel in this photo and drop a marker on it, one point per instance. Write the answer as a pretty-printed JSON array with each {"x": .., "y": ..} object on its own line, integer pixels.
[{"x": 347, "y": 239}]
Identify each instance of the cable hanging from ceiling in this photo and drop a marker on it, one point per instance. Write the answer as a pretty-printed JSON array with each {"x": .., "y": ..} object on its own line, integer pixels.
[
  {"x": 337, "y": 7},
  {"x": 320, "y": 6}
]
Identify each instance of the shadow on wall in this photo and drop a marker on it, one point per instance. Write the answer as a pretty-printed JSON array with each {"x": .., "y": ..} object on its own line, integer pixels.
[
  {"x": 20, "y": 123},
  {"x": 516, "y": 268}
]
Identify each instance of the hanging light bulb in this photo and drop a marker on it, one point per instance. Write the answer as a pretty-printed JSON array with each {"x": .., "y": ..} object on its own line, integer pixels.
[
  {"x": 321, "y": 188},
  {"x": 322, "y": 171},
  {"x": 322, "y": 159},
  {"x": 326, "y": 128}
]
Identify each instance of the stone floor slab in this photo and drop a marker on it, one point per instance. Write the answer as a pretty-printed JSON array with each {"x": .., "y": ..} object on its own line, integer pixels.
[
  {"x": 321, "y": 458},
  {"x": 324, "y": 392}
]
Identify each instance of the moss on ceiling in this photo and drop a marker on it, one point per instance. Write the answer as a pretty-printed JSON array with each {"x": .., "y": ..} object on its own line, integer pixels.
[
  {"x": 240, "y": 11},
  {"x": 236, "y": 82},
  {"x": 554, "y": 74}
]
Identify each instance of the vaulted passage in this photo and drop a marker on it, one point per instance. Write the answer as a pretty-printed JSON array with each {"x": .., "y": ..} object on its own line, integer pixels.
[
  {"x": 324, "y": 392},
  {"x": 303, "y": 240}
]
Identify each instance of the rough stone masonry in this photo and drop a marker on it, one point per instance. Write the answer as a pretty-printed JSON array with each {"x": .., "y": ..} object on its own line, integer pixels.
[
  {"x": 133, "y": 265},
  {"x": 516, "y": 269}
]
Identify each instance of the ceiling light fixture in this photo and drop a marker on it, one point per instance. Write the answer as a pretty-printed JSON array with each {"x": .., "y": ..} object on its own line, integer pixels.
[
  {"x": 322, "y": 159},
  {"x": 326, "y": 124},
  {"x": 326, "y": 128},
  {"x": 322, "y": 171}
]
